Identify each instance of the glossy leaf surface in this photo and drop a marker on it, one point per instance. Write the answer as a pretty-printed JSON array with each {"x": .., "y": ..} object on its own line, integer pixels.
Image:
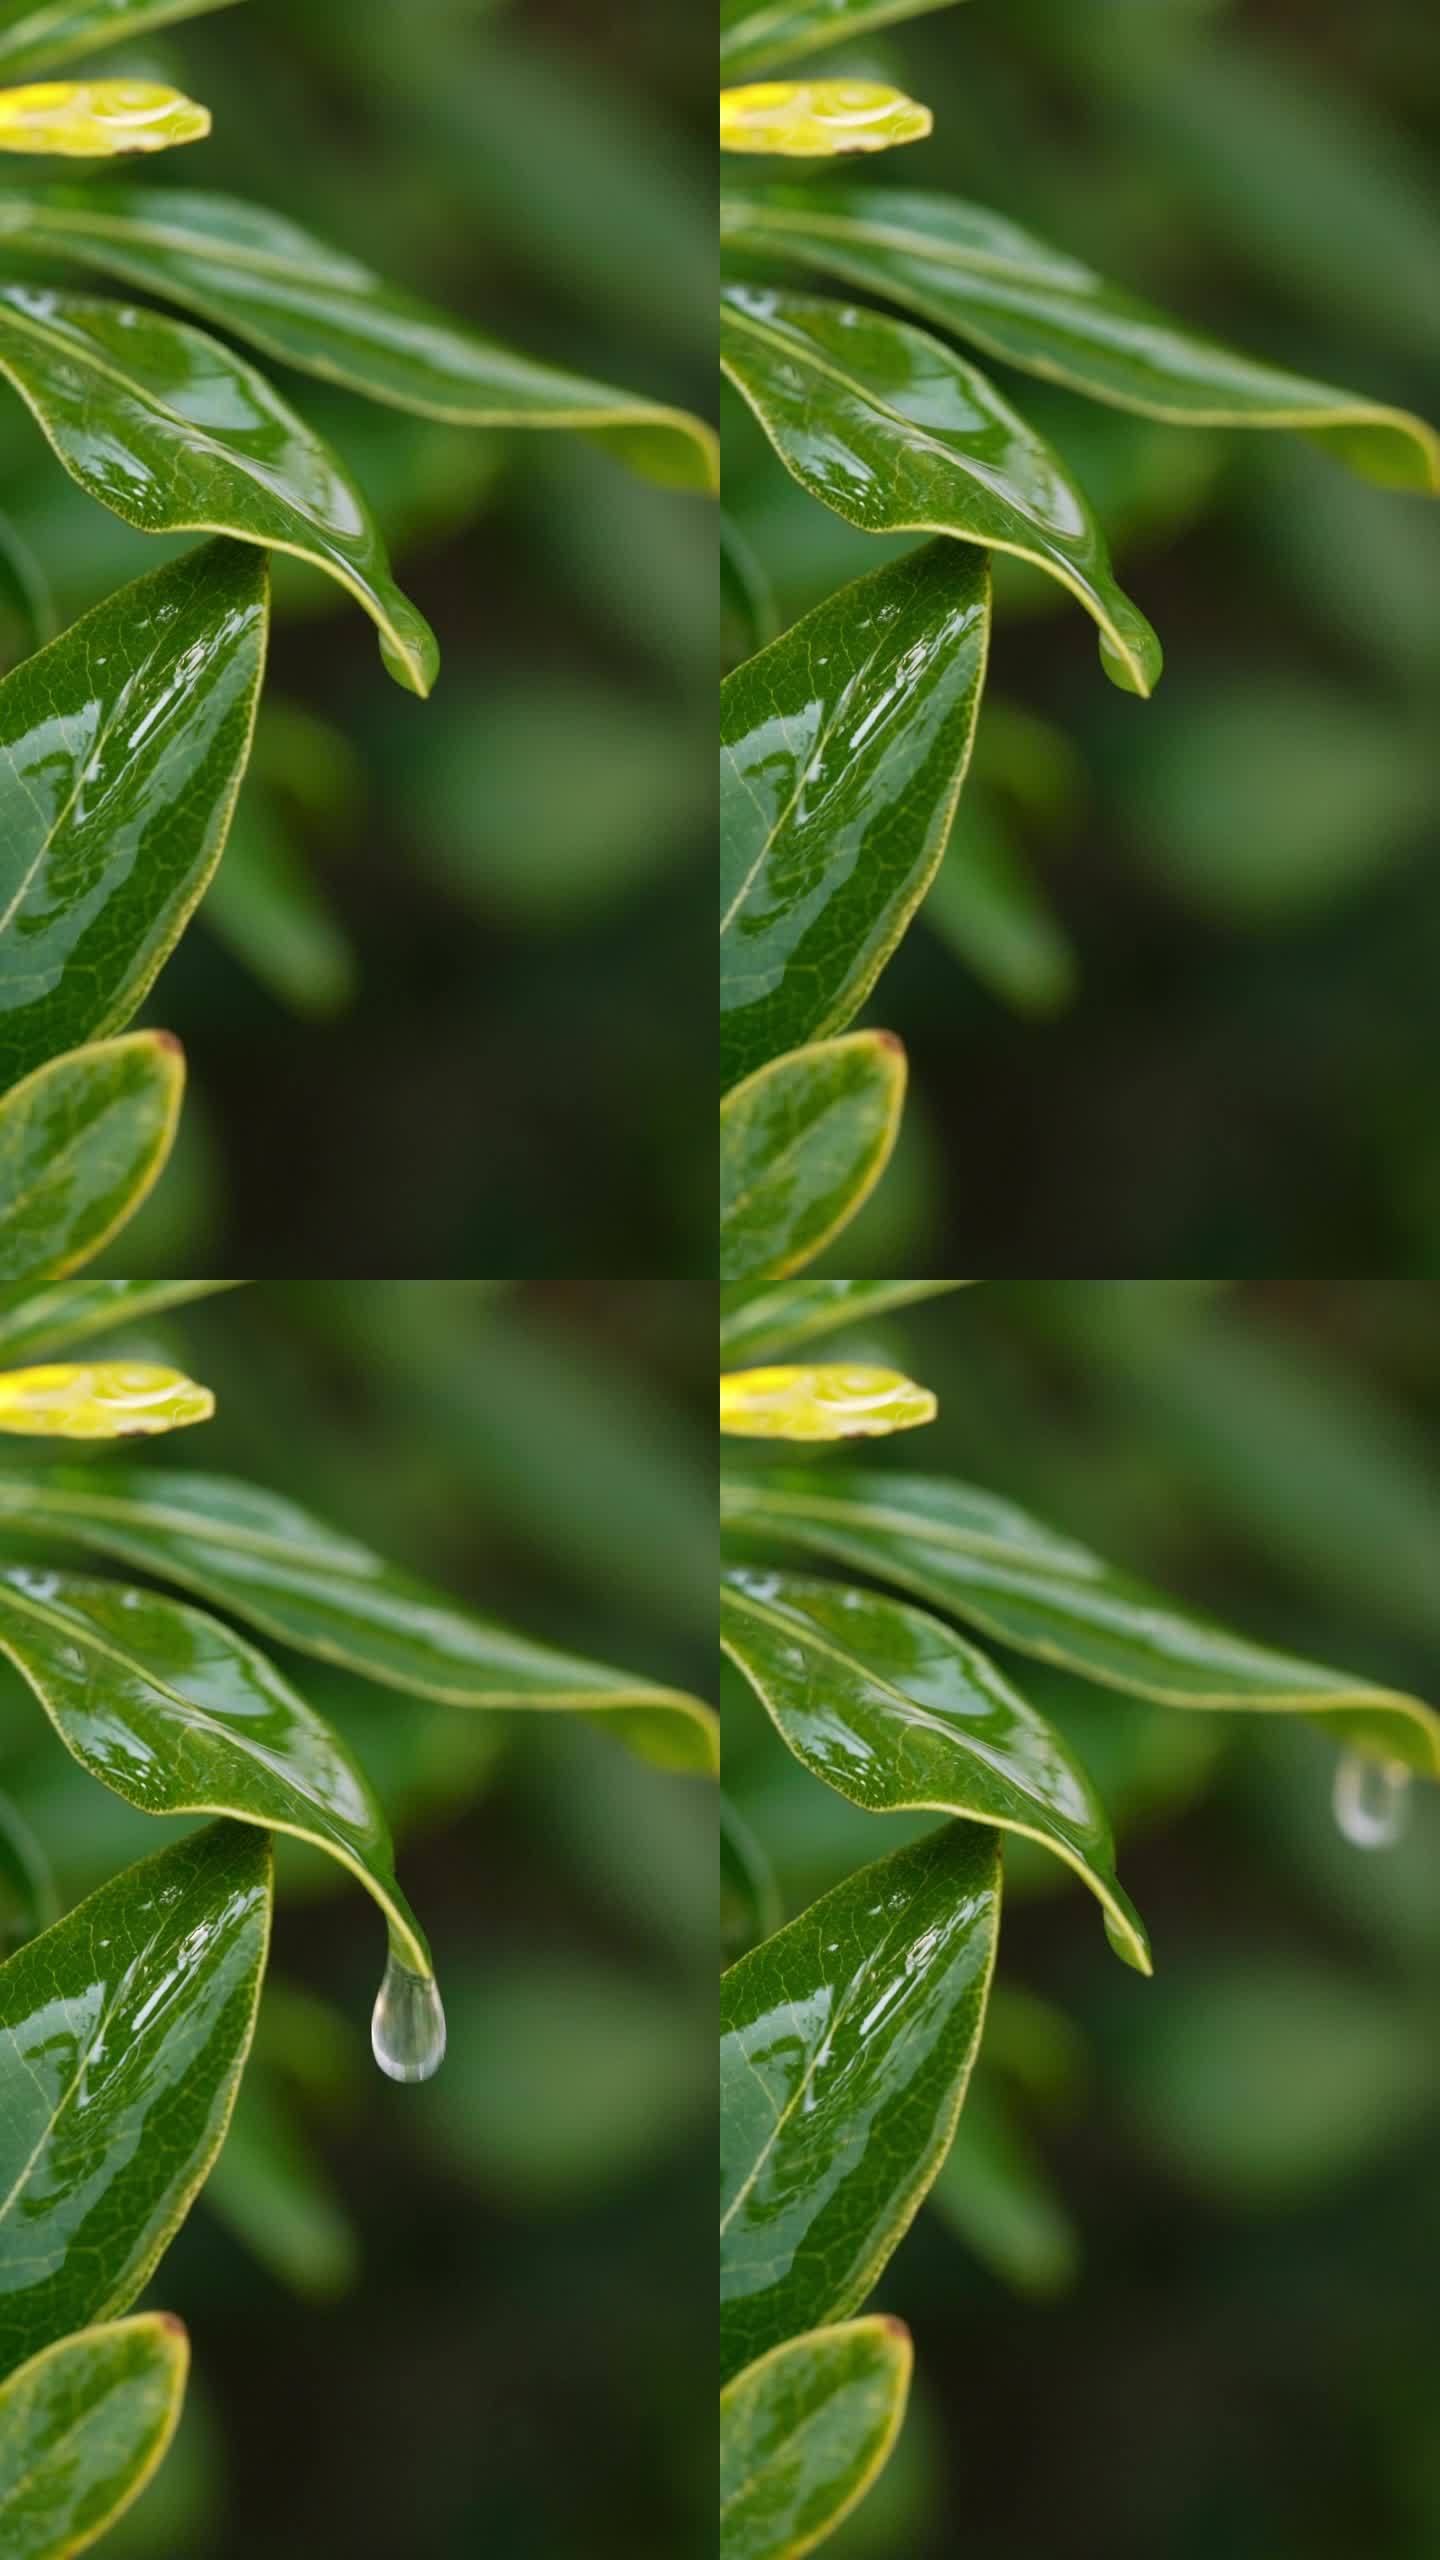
[
  {"x": 803, "y": 1142},
  {"x": 54, "y": 1319},
  {"x": 123, "y": 2034},
  {"x": 277, "y": 286},
  {"x": 756, "y": 33},
  {"x": 122, "y": 748},
  {"x": 98, "y": 119},
  {"x": 899, "y": 1714},
  {"x": 102, "y": 1400},
  {"x": 177, "y": 1715},
  {"x": 756, "y": 1322},
  {"x": 821, "y": 1403},
  {"x": 803, "y": 2433},
  {"x": 309, "y": 1585},
  {"x": 82, "y": 2429},
  {"x": 987, "y": 1561},
  {"x": 819, "y": 119},
  {"x": 81, "y": 1143},
  {"x": 176, "y": 435},
  {"x": 37, "y": 35},
  {"x": 846, "y": 2043},
  {"x": 27, "y": 1890},
  {"x": 843, "y": 747},
  {"x": 965, "y": 269},
  {"x": 897, "y": 434}
]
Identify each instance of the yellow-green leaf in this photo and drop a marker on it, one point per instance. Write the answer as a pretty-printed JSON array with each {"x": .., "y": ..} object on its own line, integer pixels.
[
  {"x": 98, "y": 119},
  {"x": 103, "y": 1400},
  {"x": 82, "y": 2429},
  {"x": 819, "y": 119},
  {"x": 829, "y": 1403}
]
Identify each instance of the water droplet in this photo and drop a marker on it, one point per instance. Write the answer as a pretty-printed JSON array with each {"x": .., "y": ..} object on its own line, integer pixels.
[
  {"x": 408, "y": 2028},
  {"x": 1371, "y": 1799}
]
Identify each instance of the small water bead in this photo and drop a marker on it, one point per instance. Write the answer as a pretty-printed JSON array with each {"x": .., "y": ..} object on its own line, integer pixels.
[
  {"x": 407, "y": 2031},
  {"x": 1371, "y": 1799}
]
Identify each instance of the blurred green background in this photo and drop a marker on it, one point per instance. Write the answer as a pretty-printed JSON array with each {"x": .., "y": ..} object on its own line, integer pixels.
[
  {"x": 441, "y": 1004},
  {"x": 1215, "y": 1050},
  {"x": 473, "y": 2316},
  {"x": 1175, "y": 2291}
]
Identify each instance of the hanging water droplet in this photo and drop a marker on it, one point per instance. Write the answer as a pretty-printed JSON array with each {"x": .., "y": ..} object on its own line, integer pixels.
[
  {"x": 408, "y": 2027},
  {"x": 1371, "y": 1799}
]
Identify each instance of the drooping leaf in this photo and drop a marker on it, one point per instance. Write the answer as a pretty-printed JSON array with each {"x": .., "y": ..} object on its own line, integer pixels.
[
  {"x": 987, "y": 1561},
  {"x": 756, "y": 1323},
  {"x": 846, "y": 2044},
  {"x": 83, "y": 2428},
  {"x": 27, "y": 1890},
  {"x": 750, "y": 1906},
  {"x": 82, "y": 1141},
  {"x": 897, "y": 434},
  {"x": 176, "y": 435},
  {"x": 803, "y": 1143},
  {"x": 819, "y": 119},
  {"x": 900, "y": 1715},
  {"x": 804, "y": 2432},
  {"x": 821, "y": 1403},
  {"x": 966, "y": 269},
  {"x": 173, "y": 1712},
  {"x": 311, "y": 1586},
  {"x": 55, "y": 1319},
  {"x": 98, "y": 119},
  {"x": 123, "y": 2034},
  {"x": 38, "y": 35},
  {"x": 274, "y": 284},
  {"x": 756, "y": 33},
  {"x": 843, "y": 748},
  {"x": 102, "y": 1400},
  {"x": 122, "y": 748}
]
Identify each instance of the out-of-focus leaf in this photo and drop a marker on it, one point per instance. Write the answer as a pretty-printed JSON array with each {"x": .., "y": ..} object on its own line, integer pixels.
[
  {"x": 753, "y": 1324},
  {"x": 37, "y": 35},
  {"x": 27, "y": 608},
  {"x": 987, "y": 1561},
  {"x": 315, "y": 307},
  {"x": 846, "y": 2044},
  {"x": 82, "y": 1140},
  {"x": 826, "y": 1403},
  {"x": 266, "y": 907},
  {"x": 756, "y": 33},
  {"x": 98, "y": 119},
  {"x": 804, "y": 2431},
  {"x": 83, "y": 2427},
  {"x": 122, "y": 746},
  {"x": 28, "y": 1900},
  {"x": 964, "y": 268},
  {"x": 819, "y": 119},
  {"x": 124, "y": 2030},
  {"x": 803, "y": 1141},
  {"x": 176, "y": 435},
  {"x": 994, "y": 2190},
  {"x": 749, "y": 614},
  {"x": 750, "y": 1905},
  {"x": 897, "y": 434},
  {"x": 101, "y": 1400},
  {"x": 274, "y": 2194},
  {"x": 985, "y": 903},
  {"x": 843, "y": 748},
  {"x": 896, "y": 1712},
  {"x": 53, "y": 1319}
]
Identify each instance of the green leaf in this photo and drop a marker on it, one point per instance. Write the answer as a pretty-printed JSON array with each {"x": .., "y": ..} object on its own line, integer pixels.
[
  {"x": 804, "y": 2432},
  {"x": 54, "y": 1319},
  {"x": 749, "y": 615},
  {"x": 756, "y": 33},
  {"x": 174, "y": 434},
  {"x": 995, "y": 2192},
  {"x": 171, "y": 1711},
  {"x": 82, "y": 1141},
  {"x": 895, "y": 433},
  {"x": 985, "y": 904},
  {"x": 83, "y": 2429},
  {"x": 98, "y": 119},
  {"x": 27, "y": 608},
  {"x": 966, "y": 269},
  {"x": 104, "y": 1400},
  {"x": 985, "y": 1560},
  {"x": 819, "y": 119},
  {"x": 846, "y": 2044},
  {"x": 803, "y": 1142},
  {"x": 37, "y": 35},
  {"x": 123, "y": 2034},
  {"x": 823, "y": 1403},
  {"x": 28, "y": 1902},
  {"x": 275, "y": 2195},
  {"x": 275, "y": 285},
  {"x": 122, "y": 748},
  {"x": 750, "y": 1905},
  {"x": 754, "y": 1324},
  {"x": 310, "y": 1586},
  {"x": 835, "y": 810}
]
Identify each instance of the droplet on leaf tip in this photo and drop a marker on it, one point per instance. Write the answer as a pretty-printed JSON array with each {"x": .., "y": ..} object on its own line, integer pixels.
[
  {"x": 407, "y": 2031},
  {"x": 1371, "y": 1799}
]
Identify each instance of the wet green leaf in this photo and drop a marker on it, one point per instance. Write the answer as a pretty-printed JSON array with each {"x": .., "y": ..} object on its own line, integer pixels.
[
  {"x": 274, "y": 284},
  {"x": 819, "y": 119},
  {"x": 987, "y": 1561},
  {"x": 843, "y": 748},
  {"x": 28, "y": 1902},
  {"x": 37, "y": 35},
  {"x": 897, "y": 434},
  {"x": 803, "y": 2433},
  {"x": 311, "y": 1586},
  {"x": 756, "y": 33},
  {"x": 966, "y": 269},
  {"x": 100, "y": 1400},
  {"x": 98, "y": 119},
  {"x": 821, "y": 1403},
  {"x": 54, "y": 1319},
  {"x": 171, "y": 1711},
  {"x": 803, "y": 1142},
  {"x": 175, "y": 434},
  {"x": 755, "y": 1323},
  {"x": 122, "y": 748},
  {"x": 900, "y": 1715},
  {"x": 123, "y": 2034},
  {"x": 846, "y": 2044},
  {"x": 82, "y": 1141},
  {"x": 83, "y": 2428}
]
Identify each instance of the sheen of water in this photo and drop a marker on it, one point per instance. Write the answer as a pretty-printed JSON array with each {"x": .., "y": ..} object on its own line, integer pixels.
[
  {"x": 1371, "y": 1799},
  {"x": 407, "y": 2031}
]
